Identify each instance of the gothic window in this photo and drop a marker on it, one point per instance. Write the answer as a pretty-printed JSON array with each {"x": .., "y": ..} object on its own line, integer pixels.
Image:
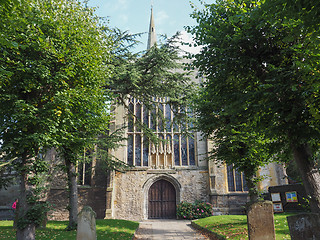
[
  {"x": 174, "y": 148},
  {"x": 236, "y": 180},
  {"x": 84, "y": 168}
]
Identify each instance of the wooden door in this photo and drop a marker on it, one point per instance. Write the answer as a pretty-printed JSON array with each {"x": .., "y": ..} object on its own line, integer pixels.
[{"x": 162, "y": 200}]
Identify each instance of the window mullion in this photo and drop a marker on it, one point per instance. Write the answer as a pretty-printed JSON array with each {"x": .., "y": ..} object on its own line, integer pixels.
[
  {"x": 180, "y": 152},
  {"x": 241, "y": 178},
  {"x": 141, "y": 150},
  {"x": 157, "y": 132},
  {"x": 83, "y": 167},
  {"x": 234, "y": 178}
]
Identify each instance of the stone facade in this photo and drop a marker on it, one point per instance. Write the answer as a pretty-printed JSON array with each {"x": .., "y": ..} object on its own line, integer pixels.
[
  {"x": 206, "y": 181},
  {"x": 131, "y": 189}
]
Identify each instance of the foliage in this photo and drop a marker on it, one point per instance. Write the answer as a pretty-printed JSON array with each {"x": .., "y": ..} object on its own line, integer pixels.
[
  {"x": 196, "y": 210},
  {"x": 185, "y": 210},
  {"x": 235, "y": 226},
  {"x": 106, "y": 229},
  {"x": 36, "y": 214},
  {"x": 150, "y": 75},
  {"x": 222, "y": 101},
  {"x": 52, "y": 72},
  {"x": 261, "y": 69},
  {"x": 305, "y": 204},
  {"x": 105, "y": 143}
]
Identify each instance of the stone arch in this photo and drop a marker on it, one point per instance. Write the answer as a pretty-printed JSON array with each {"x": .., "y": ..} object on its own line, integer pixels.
[{"x": 146, "y": 187}]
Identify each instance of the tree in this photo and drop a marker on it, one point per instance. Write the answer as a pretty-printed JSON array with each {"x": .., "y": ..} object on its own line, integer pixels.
[
  {"x": 261, "y": 67},
  {"x": 51, "y": 89},
  {"x": 156, "y": 73},
  {"x": 84, "y": 116}
]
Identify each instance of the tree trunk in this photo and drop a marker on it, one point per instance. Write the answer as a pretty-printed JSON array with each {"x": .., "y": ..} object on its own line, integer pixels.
[
  {"x": 73, "y": 195},
  {"x": 29, "y": 232},
  {"x": 310, "y": 174},
  {"x": 253, "y": 188}
]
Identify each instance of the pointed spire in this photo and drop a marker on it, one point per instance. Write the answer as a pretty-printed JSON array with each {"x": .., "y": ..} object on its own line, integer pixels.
[{"x": 152, "y": 39}]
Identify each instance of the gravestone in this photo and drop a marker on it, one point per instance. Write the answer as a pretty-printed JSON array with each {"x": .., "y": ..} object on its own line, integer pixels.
[
  {"x": 86, "y": 229},
  {"x": 304, "y": 226},
  {"x": 260, "y": 221}
]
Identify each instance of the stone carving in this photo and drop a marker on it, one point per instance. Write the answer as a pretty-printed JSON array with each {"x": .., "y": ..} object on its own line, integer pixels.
[
  {"x": 260, "y": 221},
  {"x": 86, "y": 229}
]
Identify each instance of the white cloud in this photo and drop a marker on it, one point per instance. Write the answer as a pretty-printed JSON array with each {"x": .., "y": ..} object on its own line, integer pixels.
[
  {"x": 122, "y": 4},
  {"x": 115, "y": 6},
  {"x": 161, "y": 17},
  {"x": 187, "y": 38},
  {"x": 123, "y": 18}
]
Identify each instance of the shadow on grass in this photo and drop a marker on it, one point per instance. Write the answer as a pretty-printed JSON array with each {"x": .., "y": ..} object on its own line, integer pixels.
[
  {"x": 55, "y": 230},
  {"x": 116, "y": 229},
  {"x": 231, "y": 225},
  {"x": 282, "y": 231}
]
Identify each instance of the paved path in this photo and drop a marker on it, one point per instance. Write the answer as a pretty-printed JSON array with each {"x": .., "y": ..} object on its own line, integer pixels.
[{"x": 167, "y": 230}]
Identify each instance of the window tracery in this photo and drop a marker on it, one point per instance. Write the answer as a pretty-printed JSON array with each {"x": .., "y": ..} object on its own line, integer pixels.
[
  {"x": 173, "y": 149},
  {"x": 236, "y": 180},
  {"x": 84, "y": 168}
]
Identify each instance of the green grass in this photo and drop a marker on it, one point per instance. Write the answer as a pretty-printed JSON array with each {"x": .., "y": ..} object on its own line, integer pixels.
[
  {"x": 106, "y": 229},
  {"x": 235, "y": 226}
]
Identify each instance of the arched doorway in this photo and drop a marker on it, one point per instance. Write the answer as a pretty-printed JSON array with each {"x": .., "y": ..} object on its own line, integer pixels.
[{"x": 162, "y": 200}]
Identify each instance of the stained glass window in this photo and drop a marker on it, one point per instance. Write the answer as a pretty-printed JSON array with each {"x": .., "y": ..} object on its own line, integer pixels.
[
  {"x": 236, "y": 180},
  {"x": 173, "y": 149}
]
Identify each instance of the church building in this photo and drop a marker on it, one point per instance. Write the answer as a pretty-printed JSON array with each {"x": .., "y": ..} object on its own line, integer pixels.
[{"x": 174, "y": 171}]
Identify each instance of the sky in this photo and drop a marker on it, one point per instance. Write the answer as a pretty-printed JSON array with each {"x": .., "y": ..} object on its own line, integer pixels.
[{"x": 170, "y": 16}]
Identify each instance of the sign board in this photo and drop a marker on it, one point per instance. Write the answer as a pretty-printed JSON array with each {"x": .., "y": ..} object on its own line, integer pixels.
[
  {"x": 275, "y": 197},
  {"x": 291, "y": 196},
  {"x": 277, "y": 207}
]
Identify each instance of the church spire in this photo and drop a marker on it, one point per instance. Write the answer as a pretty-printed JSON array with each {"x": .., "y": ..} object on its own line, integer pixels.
[{"x": 152, "y": 39}]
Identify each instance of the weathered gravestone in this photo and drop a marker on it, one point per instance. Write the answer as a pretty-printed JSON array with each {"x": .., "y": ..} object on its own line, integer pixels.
[
  {"x": 304, "y": 226},
  {"x": 260, "y": 221},
  {"x": 86, "y": 229}
]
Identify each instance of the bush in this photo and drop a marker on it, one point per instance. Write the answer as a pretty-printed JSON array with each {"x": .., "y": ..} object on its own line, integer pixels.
[
  {"x": 185, "y": 210},
  {"x": 196, "y": 210}
]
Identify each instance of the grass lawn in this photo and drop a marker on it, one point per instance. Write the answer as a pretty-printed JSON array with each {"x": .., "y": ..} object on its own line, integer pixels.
[
  {"x": 235, "y": 226},
  {"x": 106, "y": 229}
]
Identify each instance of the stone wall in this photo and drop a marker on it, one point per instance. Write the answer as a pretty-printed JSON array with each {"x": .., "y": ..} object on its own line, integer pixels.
[
  {"x": 131, "y": 191},
  {"x": 95, "y": 197},
  {"x": 273, "y": 175},
  {"x": 7, "y": 197},
  {"x": 232, "y": 203}
]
